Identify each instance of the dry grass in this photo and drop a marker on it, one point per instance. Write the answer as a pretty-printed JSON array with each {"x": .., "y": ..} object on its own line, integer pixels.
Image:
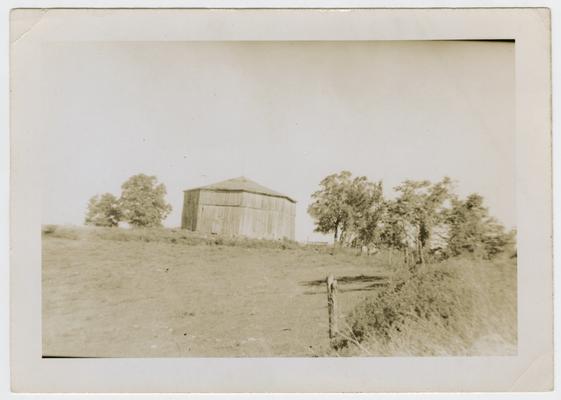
[
  {"x": 160, "y": 235},
  {"x": 165, "y": 292},
  {"x": 137, "y": 293}
]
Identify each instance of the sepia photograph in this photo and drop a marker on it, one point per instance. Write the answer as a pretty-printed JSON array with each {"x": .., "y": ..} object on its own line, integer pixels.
[
  {"x": 265, "y": 199},
  {"x": 293, "y": 201}
]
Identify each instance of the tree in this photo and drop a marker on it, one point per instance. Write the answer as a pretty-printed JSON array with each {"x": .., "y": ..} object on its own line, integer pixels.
[
  {"x": 328, "y": 207},
  {"x": 497, "y": 240},
  {"x": 467, "y": 225},
  {"x": 421, "y": 205},
  {"x": 347, "y": 207},
  {"x": 103, "y": 210},
  {"x": 472, "y": 230},
  {"x": 393, "y": 232},
  {"x": 143, "y": 201},
  {"x": 365, "y": 206},
  {"x": 369, "y": 226}
]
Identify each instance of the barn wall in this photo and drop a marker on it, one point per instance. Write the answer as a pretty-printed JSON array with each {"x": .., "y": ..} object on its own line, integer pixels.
[
  {"x": 219, "y": 212},
  {"x": 221, "y": 198},
  {"x": 190, "y": 209},
  {"x": 234, "y": 213},
  {"x": 223, "y": 220},
  {"x": 268, "y": 217}
]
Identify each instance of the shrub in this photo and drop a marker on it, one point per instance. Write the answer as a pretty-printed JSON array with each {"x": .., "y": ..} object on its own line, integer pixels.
[
  {"x": 62, "y": 232},
  {"x": 439, "y": 309},
  {"x": 429, "y": 294},
  {"x": 48, "y": 229}
]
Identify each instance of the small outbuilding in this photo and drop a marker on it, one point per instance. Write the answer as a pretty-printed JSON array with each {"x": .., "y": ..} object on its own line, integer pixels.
[{"x": 239, "y": 207}]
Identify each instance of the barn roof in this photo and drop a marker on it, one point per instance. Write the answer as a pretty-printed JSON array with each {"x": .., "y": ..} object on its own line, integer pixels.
[{"x": 244, "y": 185}]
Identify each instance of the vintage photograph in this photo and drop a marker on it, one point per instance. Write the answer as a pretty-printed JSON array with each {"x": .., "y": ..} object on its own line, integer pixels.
[{"x": 278, "y": 199}]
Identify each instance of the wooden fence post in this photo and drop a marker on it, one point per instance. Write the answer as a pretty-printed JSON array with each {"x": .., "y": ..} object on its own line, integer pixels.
[{"x": 332, "y": 305}]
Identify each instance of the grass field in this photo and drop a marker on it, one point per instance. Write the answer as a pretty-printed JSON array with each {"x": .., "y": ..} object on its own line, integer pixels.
[
  {"x": 159, "y": 293},
  {"x": 104, "y": 297}
]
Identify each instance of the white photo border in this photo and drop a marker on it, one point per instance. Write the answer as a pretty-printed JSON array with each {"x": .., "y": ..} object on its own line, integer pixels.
[{"x": 530, "y": 370}]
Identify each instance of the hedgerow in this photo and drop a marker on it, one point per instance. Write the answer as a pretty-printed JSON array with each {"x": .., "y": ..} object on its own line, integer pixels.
[{"x": 445, "y": 308}]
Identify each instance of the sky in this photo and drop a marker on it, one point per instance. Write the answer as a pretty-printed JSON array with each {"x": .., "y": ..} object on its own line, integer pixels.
[{"x": 284, "y": 114}]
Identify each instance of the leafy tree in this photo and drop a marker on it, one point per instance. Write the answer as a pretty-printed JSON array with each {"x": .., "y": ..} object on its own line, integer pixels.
[
  {"x": 103, "y": 210},
  {"x": 365, "y": 206},
  {"x": 472, "y": 230},
  {"x": 349, "y": 208},
  {"x": 497, "y": 241},
  {"x": 394, "y": 232},
  {"x": 369, "y": 227},
  {"x": 421, "y": 205},
  {"x": 424, "y": 217},
  {"x": 467, "y": 225},
  {"x": 143, "y": 201},
  {"x": 328, "y": 207}
]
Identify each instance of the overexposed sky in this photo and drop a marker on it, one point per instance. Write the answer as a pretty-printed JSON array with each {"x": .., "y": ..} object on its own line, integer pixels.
[{"x": 285, "y": 114}]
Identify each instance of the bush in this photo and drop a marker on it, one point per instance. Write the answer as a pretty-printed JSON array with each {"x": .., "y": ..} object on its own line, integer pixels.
[
  {"x": 442, "y": 309},
  {"x": 48, "y": 229},
  {"x": 62, "y": 232},
  {"x": 430, "y": 294}
]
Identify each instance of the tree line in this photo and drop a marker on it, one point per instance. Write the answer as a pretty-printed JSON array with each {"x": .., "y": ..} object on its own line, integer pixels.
[
  {"x": 425, "y": 219},
  {"x": 142, "y": 204}
]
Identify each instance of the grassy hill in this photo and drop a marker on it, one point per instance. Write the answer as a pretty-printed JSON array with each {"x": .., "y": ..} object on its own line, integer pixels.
[{"x": 164, "y": 292}]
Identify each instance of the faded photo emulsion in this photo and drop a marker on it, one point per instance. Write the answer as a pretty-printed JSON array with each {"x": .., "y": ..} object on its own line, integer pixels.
[{"x": 278, "y": 199}]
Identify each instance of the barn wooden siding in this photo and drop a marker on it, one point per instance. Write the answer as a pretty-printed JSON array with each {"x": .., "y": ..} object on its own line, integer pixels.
[
  {"x": 190, "y": 206},
  {"x": 235, "y": 213}
]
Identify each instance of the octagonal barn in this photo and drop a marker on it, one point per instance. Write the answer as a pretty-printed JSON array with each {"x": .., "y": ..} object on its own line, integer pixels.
[{"x": 241, "y": 207}]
